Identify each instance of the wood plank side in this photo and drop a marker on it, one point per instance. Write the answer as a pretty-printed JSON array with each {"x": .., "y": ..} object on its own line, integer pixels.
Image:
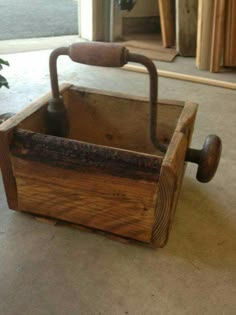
[
  {"x": 72, "y": 154},
  {"x": 7, "y": 171},
  {"x": 230, "y": 35},
  {"x": 168, "y": 189},
  {"x": 171, "y": 176},
  {"x": 118, "y": 205},
  {"x": 166, "y": 10},
  {"x": 104, "y": 188},
  {"x": 204, "y": 33},
  {"x": 218, "y": 35},
  {"x": 186, "y": 27}
]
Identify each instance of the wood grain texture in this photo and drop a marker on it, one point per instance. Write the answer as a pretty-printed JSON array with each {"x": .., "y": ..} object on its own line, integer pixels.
[
  {"x": 7, "y": 171},
  {"x": 101, "y": 177},
  {"x": 218, "y": 35},
  {"x": 167, "y": 18},
  {"x": 204, "y": 33},
  {"x": 230, "y": 35},
  {"x": 76, "y": 155},
  {"x": 118, "y": 205},
  {"x": 32, "y": 118},
  {"x": 186, "y": 27},
  {"x": 159, "y": 54},
  {"x": 171, "y": 176},
  {"x": 118, "y": 120}
]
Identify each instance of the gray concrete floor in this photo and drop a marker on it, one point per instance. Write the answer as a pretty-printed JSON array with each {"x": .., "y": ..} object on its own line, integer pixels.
[
  {"x": 60, "y": 270},
  {"x": 38, "y": 18}
]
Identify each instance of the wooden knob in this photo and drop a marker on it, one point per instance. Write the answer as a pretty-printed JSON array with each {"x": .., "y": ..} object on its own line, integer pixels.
[
  {"x": 99, "y": 54},
  {"x": 208, "y": 158}
]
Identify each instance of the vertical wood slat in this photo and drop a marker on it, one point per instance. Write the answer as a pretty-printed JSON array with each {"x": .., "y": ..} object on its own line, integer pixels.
[
  {"x": 230, "y": 31},
  {"x": 204, "y": 33},
  {"x": 217, "y": 35},
  {"x": 186, "y": 27},
  {"x": 7, "y": 171},
  {"x": 166, "y": 9}
]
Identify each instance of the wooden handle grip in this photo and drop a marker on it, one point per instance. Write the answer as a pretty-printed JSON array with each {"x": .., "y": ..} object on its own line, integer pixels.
[
  {"x": 99, "y": 54},
  {"x": 208, "y": 158}
]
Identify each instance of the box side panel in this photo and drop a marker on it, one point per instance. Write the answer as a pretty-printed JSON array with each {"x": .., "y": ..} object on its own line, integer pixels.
[
  {"x": 168, "y": 191},
  {"x": 32, "y": 118},
  {"x": 171, "y": 175},
  {"x": 7, "y": 171}
]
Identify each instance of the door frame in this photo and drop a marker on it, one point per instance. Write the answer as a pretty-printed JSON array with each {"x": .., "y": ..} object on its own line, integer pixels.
[{"x": 99, "y": 20}]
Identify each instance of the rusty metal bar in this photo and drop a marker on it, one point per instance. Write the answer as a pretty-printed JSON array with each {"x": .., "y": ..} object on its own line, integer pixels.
[
  {"x": 53, "y": 69},
  {"x": 153, "y": 96},
  {"x": 102, "y": 54}
]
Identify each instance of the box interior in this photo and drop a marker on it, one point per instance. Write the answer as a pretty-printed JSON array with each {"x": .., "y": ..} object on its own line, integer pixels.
[{"x": 113, "y": 120}]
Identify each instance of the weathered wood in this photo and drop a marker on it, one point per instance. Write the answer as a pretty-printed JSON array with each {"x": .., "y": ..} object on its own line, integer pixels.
[
  {"x": 80, "y": 156},
  {"x": 32, "y": 116},
  {"x": 98, "y": 54},
  {"x": 230, "y": 35},
  {"x": 7, "y": 171},
  {"x": 118, "y": 120},
  {"x": 123, "y": 206},
  {"x": 186, "y": 27},
  {"x": 166, "y": 10},
  {"x": 217, "y": 35},
  {"x": 171, "y": 176},
  {"x": 106, "y": 175},
  {"x": 204, "y": 33}
]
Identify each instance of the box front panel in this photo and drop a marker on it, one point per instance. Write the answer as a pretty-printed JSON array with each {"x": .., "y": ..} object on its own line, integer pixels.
[
  {"x": 118, "y": 205},
  {"x": 100, "y": 187}
]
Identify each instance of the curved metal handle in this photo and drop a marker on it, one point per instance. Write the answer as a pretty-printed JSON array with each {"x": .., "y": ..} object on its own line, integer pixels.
[
  {"x": 207, "y": 158},
  {"x": 105, "y": 55}
]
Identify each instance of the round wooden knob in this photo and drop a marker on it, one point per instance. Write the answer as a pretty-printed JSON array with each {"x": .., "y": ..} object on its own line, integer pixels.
[{"x": 208, "y": 158}]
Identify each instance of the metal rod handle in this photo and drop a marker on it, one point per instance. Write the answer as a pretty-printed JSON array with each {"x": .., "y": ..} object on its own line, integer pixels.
[{"x": 105, "y": 55}]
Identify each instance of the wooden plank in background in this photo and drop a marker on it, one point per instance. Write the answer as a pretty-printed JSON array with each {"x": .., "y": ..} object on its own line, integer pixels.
[
  {"x": 204, "y": 33},
  {"x": 217, "y": 35},
  {"x": 186, "y": 27},
  {"x": 184, "y": 77},
  {"x": 166, "y": 8},
  {"x": 230, "y": 31}
]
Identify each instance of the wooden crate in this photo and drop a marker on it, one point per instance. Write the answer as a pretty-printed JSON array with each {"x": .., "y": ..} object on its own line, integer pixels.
[{"x": 106, "y": 175}]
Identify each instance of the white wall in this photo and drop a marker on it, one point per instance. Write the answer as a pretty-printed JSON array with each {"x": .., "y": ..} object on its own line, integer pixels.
[
  {"x": 91, "y": 19},
  {"x": 86, "y": 19}
]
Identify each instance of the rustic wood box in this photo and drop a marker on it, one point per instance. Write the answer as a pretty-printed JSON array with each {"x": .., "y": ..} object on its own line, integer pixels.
[
  {"x": 106, "y": 175},
  {"x": 96, "y": 158}
]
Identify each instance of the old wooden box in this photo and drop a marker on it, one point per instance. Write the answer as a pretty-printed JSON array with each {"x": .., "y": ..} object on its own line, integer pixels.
[{"x": 106, "y": 174}]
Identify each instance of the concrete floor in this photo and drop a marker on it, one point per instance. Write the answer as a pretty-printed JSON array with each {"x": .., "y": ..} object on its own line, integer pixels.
[
  {"x": 59, "y": 270},
  {"x": 38, "y": 18}
]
